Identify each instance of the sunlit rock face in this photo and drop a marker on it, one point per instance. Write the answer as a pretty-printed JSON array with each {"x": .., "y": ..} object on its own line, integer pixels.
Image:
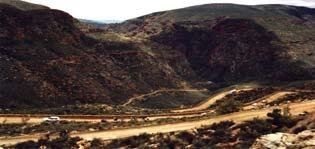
[{"x": 302, "y": 140}]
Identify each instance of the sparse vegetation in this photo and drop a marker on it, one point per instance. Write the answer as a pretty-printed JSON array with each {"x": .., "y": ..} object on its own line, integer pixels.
[
  {"x": 299, "y": 96},
  {"x": 170, "y": 100},
  {"x": 52, "y": 64},
  {"x": 85, "y": 109},
  {"x": 246, "y": 96},
  {"x": 17, "y": 129},
  {"x": 61, "y": 142},
  {"x": 225, "y": 134}
]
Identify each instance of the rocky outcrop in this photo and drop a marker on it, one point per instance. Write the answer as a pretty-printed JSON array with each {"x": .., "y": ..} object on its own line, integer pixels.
[
  {"x": 307, "y": 123},
  {"x": 302, "y": 140}
]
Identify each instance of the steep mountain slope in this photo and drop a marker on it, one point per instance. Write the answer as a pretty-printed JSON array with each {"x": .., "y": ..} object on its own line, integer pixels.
[
  {"x": 227, "y": 42},
  {"x": 233, "y": 49},
  {"x": 46, "y": 61}
]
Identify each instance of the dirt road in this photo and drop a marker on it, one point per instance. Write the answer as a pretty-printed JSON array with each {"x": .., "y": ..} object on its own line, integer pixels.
[
  {"x": 277, "y": 96},
  {"x": 178, "y": 113},
  {"x": 18, "y": 119},
  {"x": 188, "y": 112},
  {"x": 211, "y": 100},
  {"x": 296, "y": 108},
  {"x": 131, "y": 100},
  {"x": 267, "y": 99}
]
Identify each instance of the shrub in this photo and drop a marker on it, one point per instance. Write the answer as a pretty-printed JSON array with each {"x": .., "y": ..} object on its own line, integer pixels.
[
  {"x": 250, "y": 130},
  {"x": 96, "y": 143},
  {"x": 228, "y": 106},
  {"x": 26, "y": 145},
  {"x": 64, "y": 142},
  {"x": 276, "y": 118},
  {"x": 220, "y": 132},
  {"x": 254, "y": 128},
  {"x": 222, "y": 125},
  {"x": 186, "y": 136},
  {"x": 299, "y": 129}
]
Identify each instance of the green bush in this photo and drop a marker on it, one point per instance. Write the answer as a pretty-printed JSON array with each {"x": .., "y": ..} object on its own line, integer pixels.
[
  {"x": 280, "y": 120},
  {"x": 228, "y": 106}
]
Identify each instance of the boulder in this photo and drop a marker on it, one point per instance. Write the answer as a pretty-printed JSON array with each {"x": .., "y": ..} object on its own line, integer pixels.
[{"x": 302, "y": 140}]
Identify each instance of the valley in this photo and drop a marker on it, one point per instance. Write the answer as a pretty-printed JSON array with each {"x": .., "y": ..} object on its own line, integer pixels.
[{"x": 217, "y": 75}]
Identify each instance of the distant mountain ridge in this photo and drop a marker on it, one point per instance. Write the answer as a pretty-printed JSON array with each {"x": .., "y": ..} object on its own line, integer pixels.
[{"x": 100, "y": 21}]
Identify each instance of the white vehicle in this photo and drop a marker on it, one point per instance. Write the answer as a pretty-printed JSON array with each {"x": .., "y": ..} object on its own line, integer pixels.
[
  {"x": 51, "y": 119},
  {"x": 232, "y": 91},
  {"x": 203, "y": 114}
]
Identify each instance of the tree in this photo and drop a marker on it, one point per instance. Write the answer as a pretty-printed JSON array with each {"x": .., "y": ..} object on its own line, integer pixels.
[
  {"x": 275, "y": 116},
  {"x": 279, "y": 119},
  {"x": 286, "y": 111}
]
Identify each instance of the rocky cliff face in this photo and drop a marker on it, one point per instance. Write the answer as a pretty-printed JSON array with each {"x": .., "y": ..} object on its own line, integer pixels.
[
  {"x": 302, "y": 140},
  {"x": 301, "y": 136}
]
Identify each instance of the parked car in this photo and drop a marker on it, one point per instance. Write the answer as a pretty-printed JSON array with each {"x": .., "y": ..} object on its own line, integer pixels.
[
  {"x": 203, "y": 114},
  {"x": 51, "y": 119},
  {"x": 232, "y": 91}
]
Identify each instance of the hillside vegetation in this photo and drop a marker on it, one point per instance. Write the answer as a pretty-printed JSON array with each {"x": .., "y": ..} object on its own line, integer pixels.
[
  {"x": 48, "y": 58},
  {"x": 47, "y": 61}
]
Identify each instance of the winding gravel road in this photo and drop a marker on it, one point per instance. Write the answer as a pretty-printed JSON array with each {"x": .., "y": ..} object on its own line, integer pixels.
[
  {"x": 296, "y": 108},
  {"x": 211, "y": 100}
]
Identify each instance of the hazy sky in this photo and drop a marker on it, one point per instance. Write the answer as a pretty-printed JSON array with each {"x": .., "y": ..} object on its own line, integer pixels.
[{"x": 127, "y": 9}]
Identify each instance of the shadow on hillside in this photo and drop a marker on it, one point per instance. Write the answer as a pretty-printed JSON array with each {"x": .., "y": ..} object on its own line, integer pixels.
[{"x": 233, "y": 50}]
